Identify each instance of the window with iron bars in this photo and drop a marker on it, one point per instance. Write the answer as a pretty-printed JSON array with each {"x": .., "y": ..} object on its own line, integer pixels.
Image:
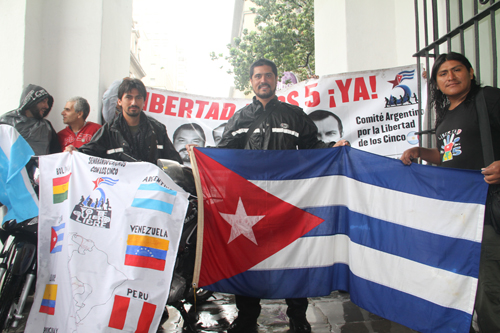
[{"x": 464, "y": 26}]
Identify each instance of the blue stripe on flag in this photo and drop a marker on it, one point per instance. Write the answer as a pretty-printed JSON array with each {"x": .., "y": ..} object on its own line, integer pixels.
[
  {"x": 25, "y": 206},
  {"x": 152, "y": 204},
  {"x": 407, "y": 72},
  {"x": 156, "y": 187},
  {"x": 353, "y": 163},
  {"x": 308, "y": 282},
  {"x": 407, "y": 309},
  {"x": 393, "y": 238},
  {"x": 49, "y": 303},
  {"x": 59, "y": 227},
  {"x": 420, "y": 273},
  {"x": 56, "y": 249},
  {"x": 395, "y": 305},
  {"x": 14, "y": 194},
  {"x": 145, "y": 251}
]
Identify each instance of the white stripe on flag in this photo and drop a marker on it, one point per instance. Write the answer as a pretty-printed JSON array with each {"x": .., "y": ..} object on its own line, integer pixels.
[
  {"x": 10, "y": 136},
  {"x": 156, "y": 195},
  {"x": 133, "y": 314},
  {"x": 29, "y": 187},
  {"x": 433, "y": 284},
  {"x": 381, "y": 203}
]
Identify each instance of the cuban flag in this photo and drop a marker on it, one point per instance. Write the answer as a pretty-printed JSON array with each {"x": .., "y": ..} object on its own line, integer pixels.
[
  {"x": 405, "y": 75},
  {"x": 56, "y": 238},
  {"x": 404, "y": 241},
  {"x": 16, "y": 192}
]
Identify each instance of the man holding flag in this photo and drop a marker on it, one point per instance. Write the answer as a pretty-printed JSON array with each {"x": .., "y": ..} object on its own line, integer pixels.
[
  {"x": 301, "y": 223},
  {"x": 458, "y": 133},
  {"x": 132, "y": 134},
  {"x": 269, "y": 124}
]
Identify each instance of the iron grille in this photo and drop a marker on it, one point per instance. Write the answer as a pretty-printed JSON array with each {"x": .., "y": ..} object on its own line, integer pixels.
[{"x": 465, "y": 26}]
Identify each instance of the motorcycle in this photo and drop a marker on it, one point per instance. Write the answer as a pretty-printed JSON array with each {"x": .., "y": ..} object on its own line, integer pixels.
[
  {"x": 181, "y": 291},
  {"x": 18, "y": 261}
]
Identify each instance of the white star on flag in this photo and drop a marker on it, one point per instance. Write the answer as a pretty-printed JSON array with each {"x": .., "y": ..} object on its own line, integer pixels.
[{"x": 241, "y": 223}]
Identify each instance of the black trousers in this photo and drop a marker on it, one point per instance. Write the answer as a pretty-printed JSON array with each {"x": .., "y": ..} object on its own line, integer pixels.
[
  {"x": 488, "y": 287},
  {"x": 249, "y": 307}
]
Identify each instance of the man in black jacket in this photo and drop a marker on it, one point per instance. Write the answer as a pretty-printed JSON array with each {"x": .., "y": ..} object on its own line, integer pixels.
[
  {"x": 29, "y": 120},
  {"x": 131, "y": 133},
  {"x": 269, "y": 124}
]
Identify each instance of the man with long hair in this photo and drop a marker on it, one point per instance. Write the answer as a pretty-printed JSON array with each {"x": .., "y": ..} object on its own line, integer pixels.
[
  {"x": 453, "y": 89},
  {"x": 132, "y": 133}
]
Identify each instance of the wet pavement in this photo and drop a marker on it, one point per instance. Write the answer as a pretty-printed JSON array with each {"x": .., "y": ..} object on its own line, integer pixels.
[{"x": 334, "y": 313}]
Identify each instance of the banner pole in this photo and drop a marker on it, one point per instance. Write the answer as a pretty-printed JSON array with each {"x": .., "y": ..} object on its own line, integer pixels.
[{"x": 199, "y": 237}]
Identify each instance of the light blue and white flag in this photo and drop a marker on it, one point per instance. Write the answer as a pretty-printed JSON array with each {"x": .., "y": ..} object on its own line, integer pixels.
[
  {"x": 16, "y": 192},
  {"x": 155, "y": 197}
]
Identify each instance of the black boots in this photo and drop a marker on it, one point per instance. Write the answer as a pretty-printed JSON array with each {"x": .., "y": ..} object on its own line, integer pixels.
[{"x": 300, "y": 325}]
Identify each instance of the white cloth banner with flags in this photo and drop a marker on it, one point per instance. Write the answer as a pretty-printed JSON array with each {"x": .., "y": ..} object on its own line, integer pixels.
[
  {"x": 16, "y": 192},
  {"x": 107, "y": 244},
  {"x": 404, "y": 241},
  {"x": 377, "y": 111}
]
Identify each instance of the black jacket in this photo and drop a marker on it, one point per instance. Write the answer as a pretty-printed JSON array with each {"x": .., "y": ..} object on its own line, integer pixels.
[
  {"x": 39, "y": 133},
  {"x": 285, "y": 127},
  {"x": 109, "y": 142}
]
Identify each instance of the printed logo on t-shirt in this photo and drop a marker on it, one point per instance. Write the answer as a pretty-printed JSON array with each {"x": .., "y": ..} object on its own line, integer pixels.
[
  {"x": 84, "y": 137},
  {"x": 451, "y": 144}
]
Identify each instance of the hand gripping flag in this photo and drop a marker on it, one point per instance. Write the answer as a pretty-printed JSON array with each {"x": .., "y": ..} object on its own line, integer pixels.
[
  {"x": 16, "y": 192},
  {"x": 403, "y": 240}
]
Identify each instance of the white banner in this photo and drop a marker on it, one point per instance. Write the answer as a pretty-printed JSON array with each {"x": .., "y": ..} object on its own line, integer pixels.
[
  {"x": 376, "y": 111},
  {"x": 107, "y": 243}
]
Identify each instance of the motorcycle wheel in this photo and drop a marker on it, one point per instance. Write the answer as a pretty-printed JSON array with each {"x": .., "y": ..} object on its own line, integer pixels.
[
  {"x": 11, "y": 290},
  {"x": 202, "y": 295}
]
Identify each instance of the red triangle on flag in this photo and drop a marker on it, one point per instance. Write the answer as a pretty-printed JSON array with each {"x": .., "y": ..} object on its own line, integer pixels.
[{"x": 230, "y": 198}]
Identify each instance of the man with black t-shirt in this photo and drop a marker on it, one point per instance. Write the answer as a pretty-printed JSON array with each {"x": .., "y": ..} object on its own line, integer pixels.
[{"x": 453, "y": 92}]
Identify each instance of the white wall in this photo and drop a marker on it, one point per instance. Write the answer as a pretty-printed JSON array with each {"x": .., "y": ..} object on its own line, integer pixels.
[
  {"x": 363, "y": 35},
  {"x": 114, "y": 43},
  {"x": 12, "y": 28},
  {"x": 70, "y": 48}
]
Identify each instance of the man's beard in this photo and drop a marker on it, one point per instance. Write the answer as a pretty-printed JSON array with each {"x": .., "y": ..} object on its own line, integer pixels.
[
  {"x": 131, "y": 113},
  {"x": 266, "y": 95},
  {"x": 36, "y": 113}
]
